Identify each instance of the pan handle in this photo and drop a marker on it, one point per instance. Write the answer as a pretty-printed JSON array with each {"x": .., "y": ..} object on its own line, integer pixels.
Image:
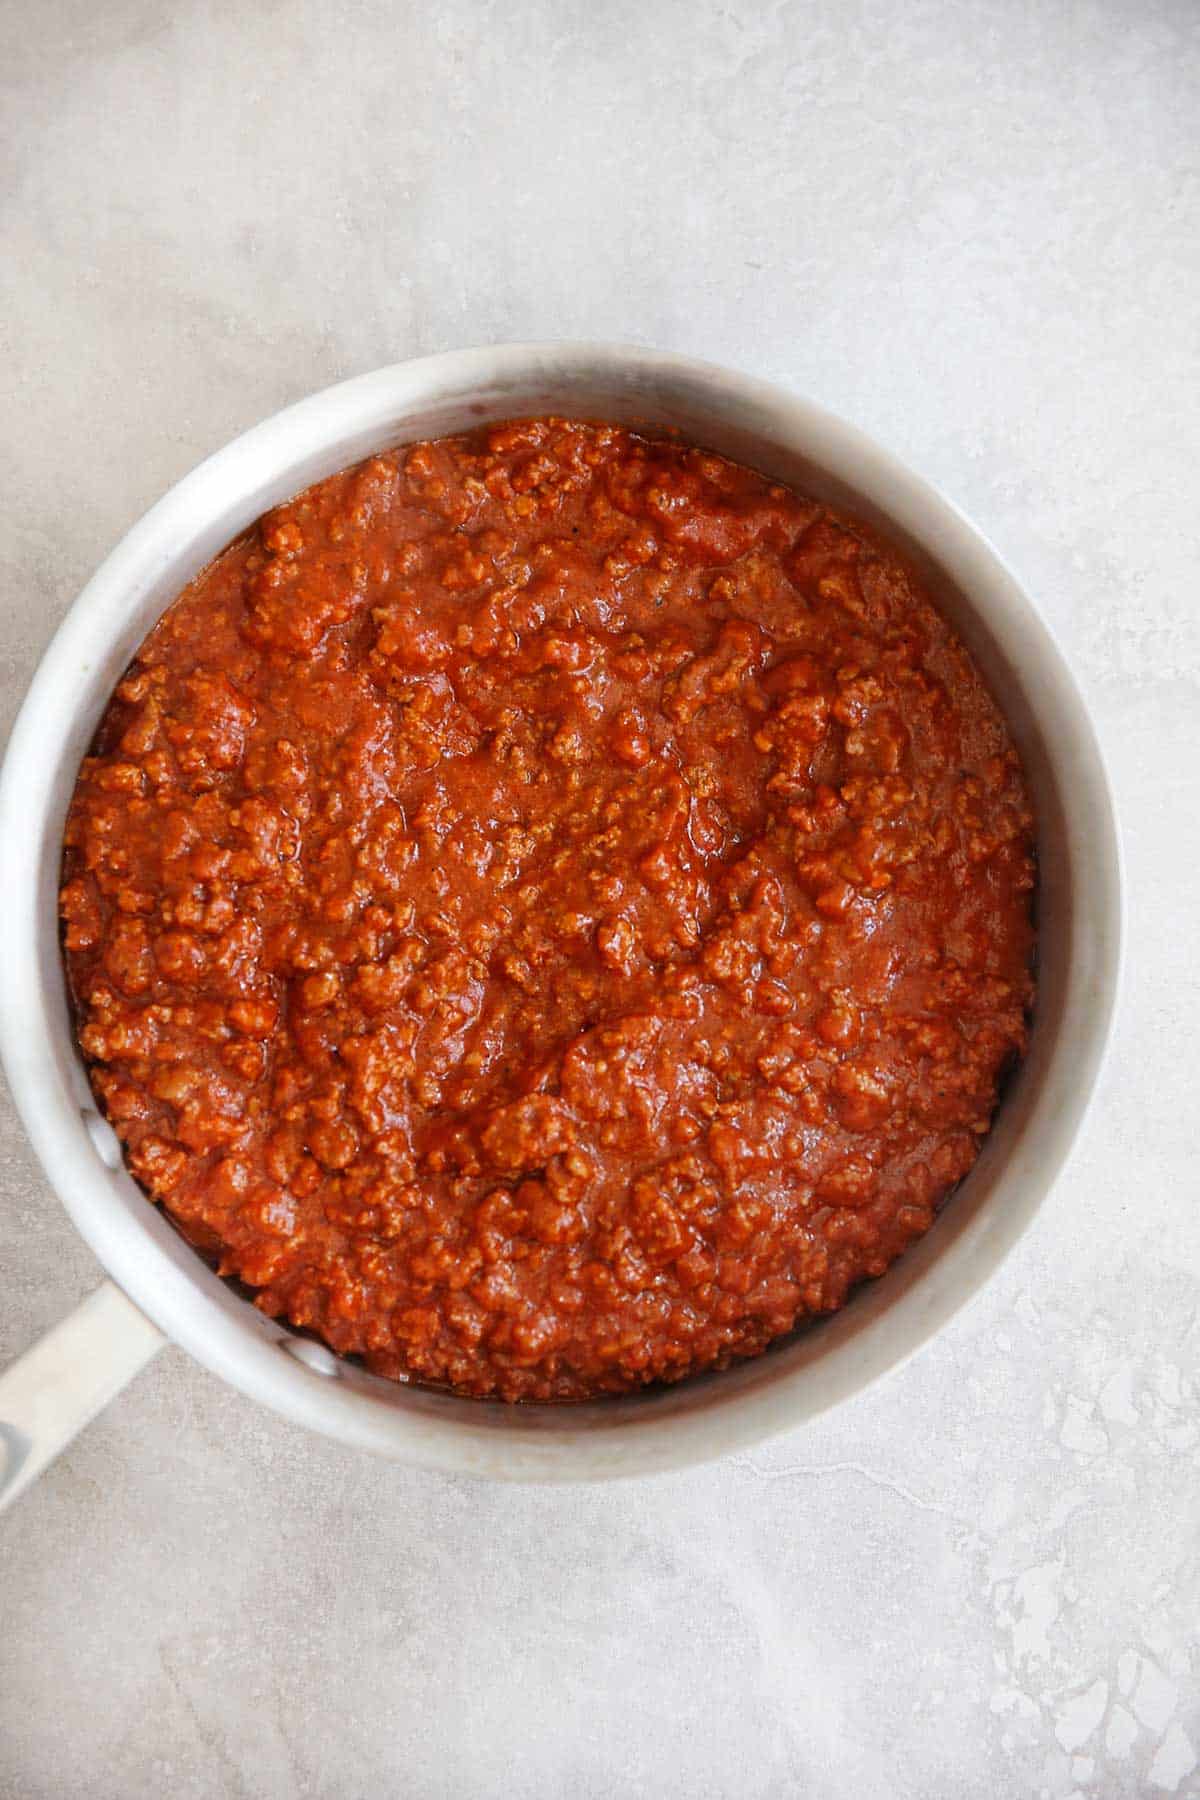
[{"x": 48, "y": 1395}]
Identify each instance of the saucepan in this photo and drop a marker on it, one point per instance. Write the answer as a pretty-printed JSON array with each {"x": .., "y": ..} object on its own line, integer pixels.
[{"x": 160, "y": 1290}]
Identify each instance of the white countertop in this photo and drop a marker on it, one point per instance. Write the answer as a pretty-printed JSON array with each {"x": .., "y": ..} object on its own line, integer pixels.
[{"x": 973, "y": 227}]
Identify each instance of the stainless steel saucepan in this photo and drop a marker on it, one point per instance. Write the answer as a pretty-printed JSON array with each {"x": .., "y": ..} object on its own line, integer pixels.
[{"x": 160, "y": 1290}]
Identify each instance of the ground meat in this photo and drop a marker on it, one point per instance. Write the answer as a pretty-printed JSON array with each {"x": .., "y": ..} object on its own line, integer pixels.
[{"x": 550, "y": 910}]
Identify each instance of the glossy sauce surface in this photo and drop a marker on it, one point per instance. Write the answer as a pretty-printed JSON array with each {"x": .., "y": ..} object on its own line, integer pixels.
[{"x": 550, "y": 910}]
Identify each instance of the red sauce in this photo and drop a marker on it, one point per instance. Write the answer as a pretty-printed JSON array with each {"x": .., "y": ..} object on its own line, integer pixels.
[{"x": 550, "y": 910}]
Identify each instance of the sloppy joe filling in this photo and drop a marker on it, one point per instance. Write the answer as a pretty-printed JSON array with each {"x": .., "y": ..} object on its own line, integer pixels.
[{"x": 550, "y": 910}]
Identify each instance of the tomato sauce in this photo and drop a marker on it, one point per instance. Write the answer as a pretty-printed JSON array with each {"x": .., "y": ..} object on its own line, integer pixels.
[{"x": 550, "y": 910}]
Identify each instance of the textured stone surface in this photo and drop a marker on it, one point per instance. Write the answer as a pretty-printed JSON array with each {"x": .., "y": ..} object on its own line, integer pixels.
[{"x": 973, "y": 228}]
